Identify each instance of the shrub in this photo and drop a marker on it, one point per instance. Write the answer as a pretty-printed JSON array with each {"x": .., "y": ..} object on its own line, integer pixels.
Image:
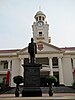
[
  {"x": 73, "y": 84},
  {"x": 51, "y": 79},
  {"x": 18, "y": 79}
]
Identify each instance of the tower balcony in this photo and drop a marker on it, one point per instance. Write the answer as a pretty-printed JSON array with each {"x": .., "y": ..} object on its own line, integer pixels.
[{"x": 40, "y": 38}]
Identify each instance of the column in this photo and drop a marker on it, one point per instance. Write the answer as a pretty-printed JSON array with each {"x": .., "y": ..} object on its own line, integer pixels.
[
  {"x": 9, "y": 64},
  {"x": 51, "y": 68},
  {"x": 61, "y": 81},
  {"x": 21, "y": 67}
]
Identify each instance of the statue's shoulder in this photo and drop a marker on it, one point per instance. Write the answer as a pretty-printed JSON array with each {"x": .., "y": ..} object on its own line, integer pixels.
[
  {"x": 34, "y": 43},
  {"x": 29, "y": 44}
]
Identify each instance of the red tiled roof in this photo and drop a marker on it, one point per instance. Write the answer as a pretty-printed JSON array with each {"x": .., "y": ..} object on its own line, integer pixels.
[
  {"x": 68, "y": 48},
  {"x": 15, "y": 50},
  {"x": 9, "y": 51}
]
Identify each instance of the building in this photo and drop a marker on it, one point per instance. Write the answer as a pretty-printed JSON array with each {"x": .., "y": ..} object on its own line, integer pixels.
[{"x": 56, "y": 61}]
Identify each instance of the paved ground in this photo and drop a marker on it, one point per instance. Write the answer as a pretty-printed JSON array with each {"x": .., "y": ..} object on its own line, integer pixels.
[{"x": 56, "y": 96}]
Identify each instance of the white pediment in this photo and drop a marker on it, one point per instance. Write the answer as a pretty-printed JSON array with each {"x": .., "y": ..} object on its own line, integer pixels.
[
  {"x": 43, "y": 47},
  {"x": 24, "y": 50}
]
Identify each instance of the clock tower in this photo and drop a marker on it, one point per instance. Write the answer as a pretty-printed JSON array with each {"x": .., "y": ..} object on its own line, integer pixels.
[{"x": 41, "y": 28}]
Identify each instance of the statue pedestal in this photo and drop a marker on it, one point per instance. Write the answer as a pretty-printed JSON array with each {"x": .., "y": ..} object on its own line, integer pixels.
[{"x": 31, "y": 80}]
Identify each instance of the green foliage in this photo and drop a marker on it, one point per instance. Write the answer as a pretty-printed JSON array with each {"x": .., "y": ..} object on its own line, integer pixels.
[
  {"x": 2, "y": 84},
  {"x": 51, "y": 79},
  {"x": 18, "y": 79},
  {"x": 73, "y": 84}
]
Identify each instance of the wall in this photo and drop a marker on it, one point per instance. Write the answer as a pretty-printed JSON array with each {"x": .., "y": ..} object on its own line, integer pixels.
[
  {"x": 15, "y": 70},
  {"x": 67, "y": 71}
]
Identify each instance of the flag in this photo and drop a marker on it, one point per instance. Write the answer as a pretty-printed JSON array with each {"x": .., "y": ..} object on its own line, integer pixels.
[
  {"x": 74, "y": 73},
  {"x": 8, "y": 78}
]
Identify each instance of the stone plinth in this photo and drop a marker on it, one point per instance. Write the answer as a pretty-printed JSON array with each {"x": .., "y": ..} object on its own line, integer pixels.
[{"x": 31, "y": 80}]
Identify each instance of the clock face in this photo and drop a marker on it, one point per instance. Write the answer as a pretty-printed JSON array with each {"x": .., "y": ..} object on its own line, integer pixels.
[{"x": 40, "y": 23}]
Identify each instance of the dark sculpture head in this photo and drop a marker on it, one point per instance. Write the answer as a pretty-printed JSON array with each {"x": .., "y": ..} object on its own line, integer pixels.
[{"x": 32, "y": 39}]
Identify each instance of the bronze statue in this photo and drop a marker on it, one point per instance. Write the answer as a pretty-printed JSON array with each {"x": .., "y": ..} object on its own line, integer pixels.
[{"x": 32, "y": 50}]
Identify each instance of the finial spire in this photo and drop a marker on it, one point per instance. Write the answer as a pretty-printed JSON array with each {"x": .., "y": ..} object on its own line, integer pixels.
[{"x": 39, "y": 8}]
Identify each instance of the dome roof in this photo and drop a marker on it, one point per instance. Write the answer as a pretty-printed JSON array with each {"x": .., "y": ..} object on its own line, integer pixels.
[{"x": 40, "y": 13}]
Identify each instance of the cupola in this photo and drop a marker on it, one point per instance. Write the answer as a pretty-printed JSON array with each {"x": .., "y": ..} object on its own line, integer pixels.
[{"x": 40, "y": 16}]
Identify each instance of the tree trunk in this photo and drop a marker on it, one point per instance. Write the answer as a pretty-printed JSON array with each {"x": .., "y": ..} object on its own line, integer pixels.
[
  {"x": 50, "y": 90},
  {"x": 17, "y": 91}
]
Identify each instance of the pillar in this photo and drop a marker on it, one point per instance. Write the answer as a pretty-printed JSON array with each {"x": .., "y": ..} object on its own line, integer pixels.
[
  {"x": 21, "y": 67},
  {"x": 51, "y": 68},
  {"x": 61, "y": 80},
  {"x": 9, "y": 64}
]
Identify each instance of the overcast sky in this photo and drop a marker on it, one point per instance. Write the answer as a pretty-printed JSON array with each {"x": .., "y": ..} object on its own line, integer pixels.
[{"x": 17, "y": 17}]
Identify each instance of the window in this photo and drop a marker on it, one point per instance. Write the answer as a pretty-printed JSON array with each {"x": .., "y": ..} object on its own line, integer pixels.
[
  {"x": 36, "y": 18},
  {"x": 72, "y": 62},
  {"x": 4, "y": 79},
  {"x": 43, "y": 18},
  {"x": 42, "y": 60},
  {"x": 6, "y": 65},
  {"x": 55, "y": 61},
  {"x": 40, "y": 33},
  {"x": 39, "y": 17},
  {"x": 11, "y": 65},
  {"x": 26, "y": 61}
]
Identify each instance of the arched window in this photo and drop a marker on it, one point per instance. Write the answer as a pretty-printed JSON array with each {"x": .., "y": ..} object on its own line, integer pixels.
[{"x": 39, "y": 17}]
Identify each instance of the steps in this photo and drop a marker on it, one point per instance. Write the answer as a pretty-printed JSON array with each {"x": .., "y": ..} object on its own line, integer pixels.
[{"x": 63, "y": 89}]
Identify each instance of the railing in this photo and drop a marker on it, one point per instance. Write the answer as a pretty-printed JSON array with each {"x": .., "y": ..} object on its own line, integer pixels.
[
  {"x": 2, "y": 69},
  {"x": 56, "y": 66},
  {"x": 46, "y": 66}
]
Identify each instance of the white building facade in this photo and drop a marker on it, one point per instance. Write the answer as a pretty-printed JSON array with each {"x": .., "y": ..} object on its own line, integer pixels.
[{"x": 56, "y": 61}]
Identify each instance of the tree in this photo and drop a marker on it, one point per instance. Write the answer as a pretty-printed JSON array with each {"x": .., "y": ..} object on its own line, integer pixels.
[
  {"x": 50, "y": 80},
  {"x": 18, "y": 80}
]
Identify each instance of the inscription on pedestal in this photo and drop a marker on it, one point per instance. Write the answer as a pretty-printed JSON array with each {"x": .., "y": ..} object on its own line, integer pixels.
[{"x": 32, "y": 77}]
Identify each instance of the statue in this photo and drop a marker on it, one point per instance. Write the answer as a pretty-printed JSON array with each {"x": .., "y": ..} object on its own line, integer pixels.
[
  {"x": 32, "y": 50},
  {"x": 32, "y": 74}
]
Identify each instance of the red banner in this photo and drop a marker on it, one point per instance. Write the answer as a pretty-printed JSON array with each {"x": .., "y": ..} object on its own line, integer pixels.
[
  {"x": 8, "y": 77},
  {"x": 74, "y": 73}
]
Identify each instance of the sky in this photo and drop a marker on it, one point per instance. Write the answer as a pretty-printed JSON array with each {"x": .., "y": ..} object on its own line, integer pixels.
[{"x": 17, "y": 17}]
